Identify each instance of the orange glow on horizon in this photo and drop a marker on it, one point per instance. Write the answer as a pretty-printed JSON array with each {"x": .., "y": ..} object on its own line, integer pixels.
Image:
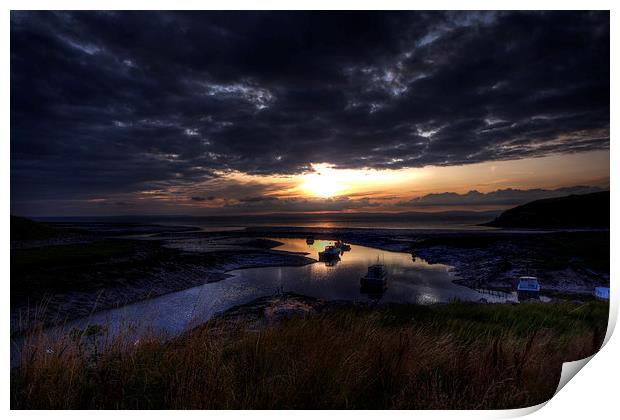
[
  {"x": 327, "y": 182},
  {"x": 326, "y": 188}
]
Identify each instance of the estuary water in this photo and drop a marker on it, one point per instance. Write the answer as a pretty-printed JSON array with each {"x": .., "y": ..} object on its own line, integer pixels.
[{"x": 410, "y": 280}]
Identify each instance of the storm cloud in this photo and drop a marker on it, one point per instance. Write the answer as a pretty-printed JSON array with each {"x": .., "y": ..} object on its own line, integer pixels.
[{"x": 119, "y": 102}]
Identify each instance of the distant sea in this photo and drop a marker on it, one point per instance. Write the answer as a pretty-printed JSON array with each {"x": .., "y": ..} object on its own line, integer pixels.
[{"x": 410, "y": 220}]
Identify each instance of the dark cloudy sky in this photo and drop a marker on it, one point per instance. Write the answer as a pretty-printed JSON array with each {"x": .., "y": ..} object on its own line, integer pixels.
[{"x": 206, "y": 112}]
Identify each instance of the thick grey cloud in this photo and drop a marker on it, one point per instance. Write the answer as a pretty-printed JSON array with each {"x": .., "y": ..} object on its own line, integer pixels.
[
  {"x": 118, "y": 102},
  {"x": 502, "y": 198},
  {"x": 200, "y": 198}
]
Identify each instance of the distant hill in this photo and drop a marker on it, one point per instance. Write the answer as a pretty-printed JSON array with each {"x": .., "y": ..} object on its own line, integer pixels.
[
  {"x": 573, "y": 211},
  {"x": 23, "y": 229}
]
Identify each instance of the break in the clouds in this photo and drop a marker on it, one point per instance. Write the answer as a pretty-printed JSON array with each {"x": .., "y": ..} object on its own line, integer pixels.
[{"x": 109, "y": 103}]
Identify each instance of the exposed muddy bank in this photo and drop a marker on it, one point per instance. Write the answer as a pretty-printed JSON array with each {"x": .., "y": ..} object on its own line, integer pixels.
[{"x": 113, "y": 273}]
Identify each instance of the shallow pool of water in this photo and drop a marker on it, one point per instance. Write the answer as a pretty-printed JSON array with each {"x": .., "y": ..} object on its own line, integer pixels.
[{"x": 410, "y": 280}]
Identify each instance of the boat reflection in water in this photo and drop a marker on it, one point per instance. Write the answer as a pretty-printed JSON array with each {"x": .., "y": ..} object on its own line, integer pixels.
[
  {"x": 373, "y": 292},
  {"x": 331, "y": 262}
]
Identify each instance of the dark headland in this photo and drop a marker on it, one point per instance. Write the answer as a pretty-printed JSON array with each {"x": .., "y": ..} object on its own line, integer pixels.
[{"x": 573, "y": 211}]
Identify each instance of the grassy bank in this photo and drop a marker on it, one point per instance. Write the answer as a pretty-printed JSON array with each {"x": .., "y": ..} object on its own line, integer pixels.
[{"x": 402, "y": 356}]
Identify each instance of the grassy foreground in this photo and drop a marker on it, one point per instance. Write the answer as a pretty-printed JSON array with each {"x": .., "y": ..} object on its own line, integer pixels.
[{"x": 458, "y": 356}]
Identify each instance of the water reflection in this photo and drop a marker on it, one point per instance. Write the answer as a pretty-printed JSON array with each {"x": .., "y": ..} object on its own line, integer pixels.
[
  {"x": 409, "y": 280},
  {"x": 330, "y": 262},
  {"x": 373, "y": 292}
]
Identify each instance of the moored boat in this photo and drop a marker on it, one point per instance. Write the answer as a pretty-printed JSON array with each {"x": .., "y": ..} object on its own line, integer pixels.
[
  {"x": 375, "y": 277},
  {"x": 330, "y": 252},
  {"x": 528, "y": 287}
]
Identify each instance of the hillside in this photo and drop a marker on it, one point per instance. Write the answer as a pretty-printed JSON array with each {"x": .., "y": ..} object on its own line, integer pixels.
[
  {"x": 25, "y": 230},
  {"x": 573, "y": 211}
]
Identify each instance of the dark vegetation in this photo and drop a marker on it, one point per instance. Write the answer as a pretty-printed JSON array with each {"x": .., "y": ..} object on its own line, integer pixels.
[
  {"x": 26, "y": 229},
  {"x": 573, "y": 211},
  {"x": 459, "y": 356},
  {"x": 37, "y": 272}
]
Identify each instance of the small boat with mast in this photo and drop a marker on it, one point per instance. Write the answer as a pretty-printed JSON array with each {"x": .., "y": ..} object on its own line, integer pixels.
[{"x": 376, "y": 277}]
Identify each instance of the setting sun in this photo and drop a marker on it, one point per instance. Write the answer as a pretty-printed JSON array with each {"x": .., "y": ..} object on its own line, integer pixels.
[{"x": 324, "y": 182}]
